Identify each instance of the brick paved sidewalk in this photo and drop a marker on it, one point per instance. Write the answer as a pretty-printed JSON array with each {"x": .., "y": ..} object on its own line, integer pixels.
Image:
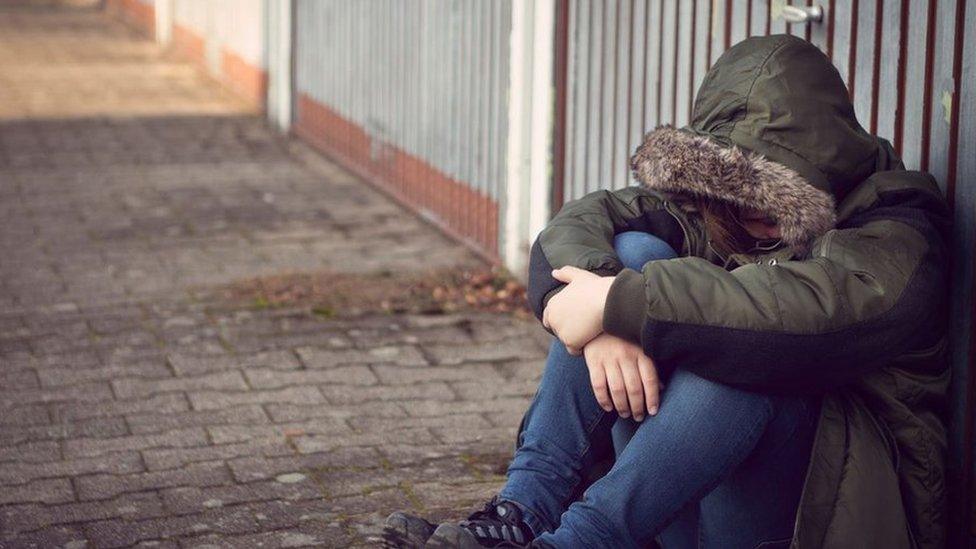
[{"x": 133, "y": 412}]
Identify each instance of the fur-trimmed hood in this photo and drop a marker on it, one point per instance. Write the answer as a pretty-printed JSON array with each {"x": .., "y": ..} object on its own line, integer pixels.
[
  {"x": 772, "y": 128},
  {"x": 675, "y": 161}
]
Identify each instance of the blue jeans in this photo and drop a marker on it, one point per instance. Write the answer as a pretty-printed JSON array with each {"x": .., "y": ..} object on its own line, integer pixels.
[{"x": 716, "y": 467}]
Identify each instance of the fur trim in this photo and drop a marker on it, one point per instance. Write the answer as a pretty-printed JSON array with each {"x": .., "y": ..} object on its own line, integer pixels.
[{"x": 680, "y": 162}]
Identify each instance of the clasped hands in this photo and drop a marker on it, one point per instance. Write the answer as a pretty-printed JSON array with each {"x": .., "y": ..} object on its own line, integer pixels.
[{"x": 623, "y": 377}]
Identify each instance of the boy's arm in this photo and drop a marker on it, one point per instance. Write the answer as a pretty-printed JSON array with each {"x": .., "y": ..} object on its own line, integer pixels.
[
  {"x": 873, "y": 289},
  {"x": 581, "y": 235}
]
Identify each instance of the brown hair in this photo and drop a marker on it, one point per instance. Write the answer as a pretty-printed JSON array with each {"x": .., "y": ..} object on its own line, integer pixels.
[{"x": 726, "y": 235}]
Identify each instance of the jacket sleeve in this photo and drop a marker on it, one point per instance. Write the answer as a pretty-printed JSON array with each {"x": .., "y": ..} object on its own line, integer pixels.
[
  {"x": 871, "y": 290},
  {"x": 582, "y": 235}
]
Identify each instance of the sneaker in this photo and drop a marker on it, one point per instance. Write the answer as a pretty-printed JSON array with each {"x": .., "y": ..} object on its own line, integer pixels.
[
  {"x": 403, "y": 531},
  {"x": 499, "y": 525}
]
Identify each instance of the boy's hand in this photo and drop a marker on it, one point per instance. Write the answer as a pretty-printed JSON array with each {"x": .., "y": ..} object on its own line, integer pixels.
[
  {"x": 623, "y": 377},
  {"x": 575, "y": 314}
]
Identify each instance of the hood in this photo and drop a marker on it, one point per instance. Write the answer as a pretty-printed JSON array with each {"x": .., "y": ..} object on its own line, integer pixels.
[{"x": 773, "y": 128}]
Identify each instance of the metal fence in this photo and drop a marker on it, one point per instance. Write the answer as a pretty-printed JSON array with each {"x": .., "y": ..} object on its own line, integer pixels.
[
  {"x": 414, "y": 95},
  {"x": 635, "y": 64}
]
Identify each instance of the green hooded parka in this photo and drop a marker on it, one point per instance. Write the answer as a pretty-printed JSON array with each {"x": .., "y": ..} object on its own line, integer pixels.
[{"x": 850, "y": 303}]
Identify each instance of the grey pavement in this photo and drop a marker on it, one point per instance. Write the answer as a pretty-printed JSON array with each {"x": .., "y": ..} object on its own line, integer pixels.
[{"x": 138, "y": 409}]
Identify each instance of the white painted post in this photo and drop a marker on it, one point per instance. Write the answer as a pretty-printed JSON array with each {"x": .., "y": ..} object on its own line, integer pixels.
[
  {"x": 279, "y": 43},
  {"x": 525, "y": 200},
  {"x": 164, "y": 22},
  {"x": 540, "y": 147}
]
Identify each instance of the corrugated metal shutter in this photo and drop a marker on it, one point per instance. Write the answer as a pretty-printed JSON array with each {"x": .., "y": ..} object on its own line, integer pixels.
[{"x": 413, "y": 96}]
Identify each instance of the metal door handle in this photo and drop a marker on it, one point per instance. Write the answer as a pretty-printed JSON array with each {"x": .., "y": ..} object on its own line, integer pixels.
[{"x": 802, "y": 14}]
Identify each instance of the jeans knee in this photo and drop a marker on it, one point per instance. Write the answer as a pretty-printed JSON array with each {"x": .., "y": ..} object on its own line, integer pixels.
[
  {"x": 635, "y": 248},
  {"x": 685, "y": 386}
]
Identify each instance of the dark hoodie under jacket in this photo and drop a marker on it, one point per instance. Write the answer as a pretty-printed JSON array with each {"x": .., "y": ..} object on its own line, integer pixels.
[{"x": 851, "y": 304}]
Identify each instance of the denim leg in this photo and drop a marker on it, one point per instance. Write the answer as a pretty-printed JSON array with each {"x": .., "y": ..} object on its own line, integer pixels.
[
  {"x": 565, "y": 431},
  {"x": 710, "y": 444},
  {"x": 703, "y": 431},
  {"x": 635, "y": 248},
  {"x": 757, "y": 504}
]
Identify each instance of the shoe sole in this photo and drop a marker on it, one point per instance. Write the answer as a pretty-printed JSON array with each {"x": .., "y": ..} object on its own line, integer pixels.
[
  {"x": 394, "y": 539},
  {"x": 398, "y": 536},
  {"x": 449, "y": 536}
]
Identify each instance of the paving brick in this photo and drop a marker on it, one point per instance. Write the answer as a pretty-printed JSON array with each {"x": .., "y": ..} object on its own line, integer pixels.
[
  {"x": 484, "y": 374},
  {"x": 25, "y": 415},
  {"x": 87, "y": 392},
  {"x": 94, "y": 427},
  {"x": 455, "y": 435},
  {"x": 282, "y": 413},
  {"x": 313, "y": 357},
  {"x": 170, "y": 458},
  {"x": 492, "y": 351},
  {"x": 410, "y": 435},
  {"x": 194, "y": 500},
  {"x": 224, "y": 434},
  {"x": 470, "y": 422},
  {"x": 180, "y": 438},
  {"x": 156, "y": 423},
  {"x": 18, "y": 379},
  {"x": 21, "y": 472},
  {"x": 163, "y": 404},
  {"x": 434, "y": 408},
  {"x": 220, "y": 521},
  {"x": 513, "y": 387},
  {"x": 461, "y": 499},
  {"x": 120, "y": 533},
  {"x": 56, "y": 377},
  {"x": 54, "y": 490},
  {"x": 342, "y": 375},
  {"x": 191, "y": 365},
  {"x": 100, "y": 486},
  {"x": 529, "y": 370},
  {"x": 69, "y": 537},
  {"x": 388, "y": 393},
  {"x": 32, "y": 451},
  {"x": 311, "y": 534},
  {"x": 255, "y": 469},
  {"x": 134, "y": 388},
  {"x": 212, "y": 400},
  {"x": 376, "y": 499},
  {"x": 129, "y": 506},
  {"x": 404, "y": 451},
  {"x": 351, "y": 482},
  {"x": 367, "y": 337}
]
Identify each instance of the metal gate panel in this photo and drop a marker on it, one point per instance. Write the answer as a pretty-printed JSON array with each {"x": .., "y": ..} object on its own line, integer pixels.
[{"x": 414, "y": 97}]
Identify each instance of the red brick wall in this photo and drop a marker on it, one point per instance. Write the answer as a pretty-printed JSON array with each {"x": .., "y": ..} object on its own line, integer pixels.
[
  {"x": 460, "y": 210},
  {"x": 135, "y": 13},
  {"x": 189, "y": 44},
  {"x": 244, "y": 78}
]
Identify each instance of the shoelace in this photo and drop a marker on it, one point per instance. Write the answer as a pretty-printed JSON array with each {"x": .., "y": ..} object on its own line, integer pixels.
[{"x": 496, "y": 522}]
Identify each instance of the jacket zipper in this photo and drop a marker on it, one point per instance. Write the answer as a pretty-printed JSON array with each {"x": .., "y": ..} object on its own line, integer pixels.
[{"x": 691, "y": 241}]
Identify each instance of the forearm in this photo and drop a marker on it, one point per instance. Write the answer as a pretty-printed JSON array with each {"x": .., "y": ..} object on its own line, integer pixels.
[{"x": 806, "y": 325}]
